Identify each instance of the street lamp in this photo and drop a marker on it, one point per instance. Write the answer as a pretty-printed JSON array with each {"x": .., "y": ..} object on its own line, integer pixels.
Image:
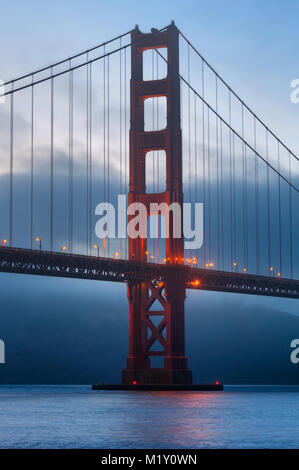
[
  {"x": 38, "y": 239},
  {"x": 115, "y": 255},
  {"x": 63, "y": 248},
  {"x": 4, "y": 241},
  {"x": 97, "y": 248}
]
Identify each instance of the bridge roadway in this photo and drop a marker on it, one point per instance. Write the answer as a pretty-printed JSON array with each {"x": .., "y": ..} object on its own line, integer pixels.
[{"x": 45, "y": 263}]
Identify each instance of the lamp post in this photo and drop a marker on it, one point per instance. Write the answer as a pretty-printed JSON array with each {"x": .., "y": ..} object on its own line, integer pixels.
[
  {"x": 98, "y": 249},
  {"x": 4, "y": 241},
  {"x": 38, "y": 239},
  {"x": 63, "y": 248}
]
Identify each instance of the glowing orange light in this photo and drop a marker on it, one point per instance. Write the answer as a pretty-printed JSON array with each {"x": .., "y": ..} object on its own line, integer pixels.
[
  {"x": 211, "y": 265},
  {"x": 244, "y": 270},
  {"x": 4, "y": 241},
  {"x": 207, "y": 265},
  {"x": 271, "y": 268},
  {"x": 234, "y": 263},
  {"x": 278, "y": 274},
  {"x": 195, "y": 283},
  {"x": 146, "y": 252},
  {"x": 160, "y": 284},
  {"x": 37, "y": 239}
]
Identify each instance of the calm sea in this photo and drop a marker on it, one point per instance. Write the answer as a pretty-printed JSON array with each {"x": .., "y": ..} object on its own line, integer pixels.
[{"x": 77, "y": 417}]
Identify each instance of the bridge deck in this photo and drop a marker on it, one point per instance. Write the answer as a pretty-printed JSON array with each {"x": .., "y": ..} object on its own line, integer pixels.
[{"x": 44, "y": 263}]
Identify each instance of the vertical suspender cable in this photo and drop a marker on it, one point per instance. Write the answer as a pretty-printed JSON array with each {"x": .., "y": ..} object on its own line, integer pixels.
[
  {"x": 11, "y": 167},
  {"x": 234, "y": 200},
  {"x": 189, "y": 134},
  {"x": 268, "y": 204},
  {"x": 90, "y": 154},
  {"x": 52, "y": 166},
  {"x": 222, "y": 198},
  {"x": 257, "y": 240},
  {"x": 104, "y": 137},
  {"x": 217, "y": 163},
  {"x": 279, "y": 209},
  {"x": 120, "y": 135},
  {"x": 31, "y": 164},
  {"x": 157, "y": 167},
  {"x": 230, "y": 180},
  {"x": 203, "y": 165},
  {"x": 209, "y": 186},
  {"x": 125, "y": 130},
  {"x": 87, "y": 156},
  {"x": 246, "y": 209},
  {"x": 71, "y": 125},
  {"x": 196, "y": 198},
  {"x": 108, "y": 136},
  {"x": 291, "y": 216}
]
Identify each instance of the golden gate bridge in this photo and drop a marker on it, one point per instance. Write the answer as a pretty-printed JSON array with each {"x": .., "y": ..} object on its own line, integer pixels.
[{"x": 146, "y": 116}]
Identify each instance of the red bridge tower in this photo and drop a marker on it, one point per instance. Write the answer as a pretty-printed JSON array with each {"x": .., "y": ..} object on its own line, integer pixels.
[{"x": 170, "y": 294}]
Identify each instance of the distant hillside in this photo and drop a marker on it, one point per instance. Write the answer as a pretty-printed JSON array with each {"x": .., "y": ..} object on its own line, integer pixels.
[
  {"x": 247, "y": 346},
  {"x": 65, "y": 331}
]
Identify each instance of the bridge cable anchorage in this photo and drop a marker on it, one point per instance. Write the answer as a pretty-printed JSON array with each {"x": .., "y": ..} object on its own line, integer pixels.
[{"x": 236, "y": 95}]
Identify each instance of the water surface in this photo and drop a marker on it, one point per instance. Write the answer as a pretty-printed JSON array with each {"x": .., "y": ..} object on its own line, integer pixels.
[{"x": 77, "y": 417}]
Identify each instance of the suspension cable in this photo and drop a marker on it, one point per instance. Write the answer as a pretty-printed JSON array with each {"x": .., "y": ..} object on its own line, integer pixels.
[
  {"x": 58, "y": 74},
  {"x": 236, "y": 95},
  {"x": 50, "y": 67}
]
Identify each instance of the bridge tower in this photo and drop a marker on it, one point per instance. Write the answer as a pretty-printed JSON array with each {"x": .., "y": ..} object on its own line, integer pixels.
[{"x": 170, "y": 294}]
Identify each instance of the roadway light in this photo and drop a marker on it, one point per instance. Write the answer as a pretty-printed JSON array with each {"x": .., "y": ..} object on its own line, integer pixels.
[
  {"x": 211, "y": 265},
  {"x": 104, "y": 246},
  {"x": 38, "y": 239},
  {"x": 115, "y": 255},
  {"x": 4, "y": 241},
  {"x": 278, "y": 274},
  {"x": 97, "y": 248},
  {"x": 63, "y": 248},
  {"x": 244, "y": 270}
]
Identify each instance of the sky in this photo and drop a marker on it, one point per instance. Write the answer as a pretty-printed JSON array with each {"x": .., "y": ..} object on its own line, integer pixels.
[{"x": 252, "y": 44}]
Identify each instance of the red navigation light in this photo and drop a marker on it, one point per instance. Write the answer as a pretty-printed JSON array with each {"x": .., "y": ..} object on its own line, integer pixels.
[
  {"x": 217, "y": 382},
  {"x": 134, "y": 382}
]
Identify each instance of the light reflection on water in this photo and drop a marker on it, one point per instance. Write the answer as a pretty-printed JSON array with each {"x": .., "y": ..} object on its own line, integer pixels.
[{"x": 77, "y": 417}]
